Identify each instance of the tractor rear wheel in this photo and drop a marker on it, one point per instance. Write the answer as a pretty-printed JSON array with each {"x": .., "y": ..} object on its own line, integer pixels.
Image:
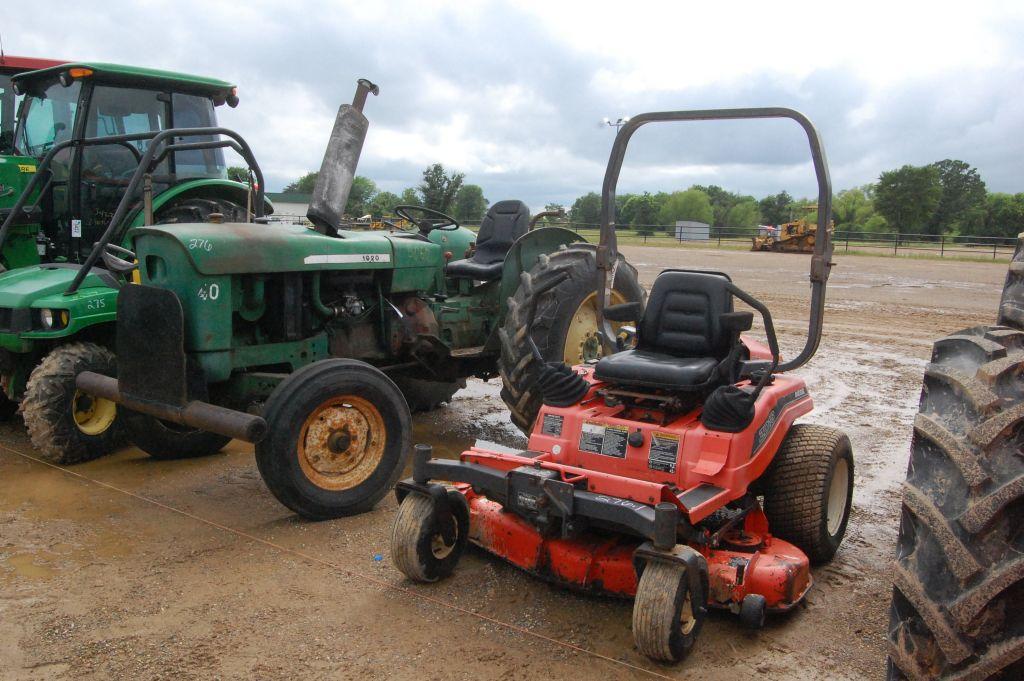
[
  {"x": 959, "y": 574},
  {"x": 164, "y": 440},
  {"x": 564, "y": 327},
  {"x": 65, "y": 424},
  {"x": 667, "y": 615},
  {"x": 427, "y": 542},
  {"x": 808, "y": 489},
  {"x": 426, "y": 395},
  {"x": 198, "y": 209},
  {"x": 339, "y": 437}
]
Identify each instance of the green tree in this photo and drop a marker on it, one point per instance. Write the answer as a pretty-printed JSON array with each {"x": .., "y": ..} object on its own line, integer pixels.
[
  {"x": 777, "y": 208},
  {"x": 410, "y": 197},
  {"x": 1004, "y": 215},
  {"x": 722, "y": 201},
  {"x": 908, "y": 197},
  {"x": 303, "y": 185},
  {"x": 852, "y": 208},
  {"x": 238, "y": 174},
  {"x": 438, "y": 188},
  {"x": 586, "y": 210},
  {"x": 692, "y": 204},
  {"x": 383, "y": 203},
  {"x": 360, "y": 196},
  {"x": 962, "y": 204},
  {"x": 644, "y": 212},
  {"x": 470, "y": 204},
  {"x": 743, "y": 214},
  {"x": 624, "y": 206}
]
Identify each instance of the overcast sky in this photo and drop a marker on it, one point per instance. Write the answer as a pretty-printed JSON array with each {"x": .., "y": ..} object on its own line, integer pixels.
[{"x": 513, "y": 94}]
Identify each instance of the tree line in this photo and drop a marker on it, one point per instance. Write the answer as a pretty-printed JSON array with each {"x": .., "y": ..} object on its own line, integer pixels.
[{"x": 947, "y": 197}]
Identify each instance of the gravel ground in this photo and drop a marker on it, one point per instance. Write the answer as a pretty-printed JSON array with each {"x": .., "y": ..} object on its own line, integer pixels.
[{"x": 100, "y": 578}]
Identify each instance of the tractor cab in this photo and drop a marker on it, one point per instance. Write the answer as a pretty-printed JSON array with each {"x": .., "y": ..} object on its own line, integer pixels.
[{"x": 82, "y": 101}]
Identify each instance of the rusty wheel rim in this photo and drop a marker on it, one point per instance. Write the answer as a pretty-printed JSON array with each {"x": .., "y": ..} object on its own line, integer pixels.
[
  {"x": 582, "y": 344},
  {"x": 341, "y": 443}
]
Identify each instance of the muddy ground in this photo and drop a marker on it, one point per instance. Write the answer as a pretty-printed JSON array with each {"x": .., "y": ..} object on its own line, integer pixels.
[{"x": 190, "y": 569}]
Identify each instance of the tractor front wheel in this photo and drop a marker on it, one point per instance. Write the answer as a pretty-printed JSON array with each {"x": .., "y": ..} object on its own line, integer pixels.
[
  {"x": 339, "y": 438},
  {"x": 667, "y": 615},
  {"x": 427, "y": 541},
  {"x": 564, "y": 327},
  {"x": 65, "y": 424}
]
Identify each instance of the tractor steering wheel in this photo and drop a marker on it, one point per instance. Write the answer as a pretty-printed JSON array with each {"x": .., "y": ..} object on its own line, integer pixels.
[{"x": 429, "y": 219}]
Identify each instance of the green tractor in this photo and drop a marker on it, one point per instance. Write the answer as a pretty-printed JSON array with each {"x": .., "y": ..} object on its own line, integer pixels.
[
  {"x": 92, "y": 123},
  {"x": 313, "y": 342}
]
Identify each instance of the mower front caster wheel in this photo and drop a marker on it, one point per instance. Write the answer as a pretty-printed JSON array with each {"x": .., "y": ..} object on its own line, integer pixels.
[
  {"x": 667, "y": 615},
  {"x": 428, "y": 538},
  {"x": 752, "y": 611}
]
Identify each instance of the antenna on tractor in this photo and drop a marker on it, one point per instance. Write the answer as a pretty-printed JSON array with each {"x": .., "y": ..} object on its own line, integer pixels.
[{"x": 1, "y": 46}]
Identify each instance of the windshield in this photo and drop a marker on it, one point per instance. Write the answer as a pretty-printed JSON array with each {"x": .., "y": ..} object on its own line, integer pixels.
[
  {"x": 191, "y": 111},
  {"x": 49, "y": 118}
]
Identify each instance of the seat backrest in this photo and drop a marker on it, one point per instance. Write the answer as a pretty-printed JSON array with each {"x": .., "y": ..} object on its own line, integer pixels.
[
  {"x": 505, "y": 222},
  {"x": 682, "y": 317}
]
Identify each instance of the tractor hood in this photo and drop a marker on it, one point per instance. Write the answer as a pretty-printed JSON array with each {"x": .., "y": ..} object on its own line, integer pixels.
[
  {"x": 24, "y": 286},
  {"x": 237, "y": 248}
]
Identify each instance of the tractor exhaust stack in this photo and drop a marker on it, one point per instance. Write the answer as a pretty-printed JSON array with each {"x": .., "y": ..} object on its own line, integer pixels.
[{"x": 334, "y": 183}]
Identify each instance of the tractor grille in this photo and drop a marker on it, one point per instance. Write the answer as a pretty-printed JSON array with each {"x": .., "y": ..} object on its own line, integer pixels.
[{"x": 15, "y": 320}]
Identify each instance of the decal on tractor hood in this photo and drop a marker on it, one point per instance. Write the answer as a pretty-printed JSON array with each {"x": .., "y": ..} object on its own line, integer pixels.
[{"x": 345, "y": 258}]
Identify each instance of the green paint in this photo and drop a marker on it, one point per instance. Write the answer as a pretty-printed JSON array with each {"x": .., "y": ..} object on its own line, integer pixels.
[{"x": 136, "y": 75}]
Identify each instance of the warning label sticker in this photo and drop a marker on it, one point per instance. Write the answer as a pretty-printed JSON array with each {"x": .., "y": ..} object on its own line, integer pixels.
[
  {"x": 664, "y": 452},
  {"x": 601, "y": 439},
  {"x": 552, "y": 425}
]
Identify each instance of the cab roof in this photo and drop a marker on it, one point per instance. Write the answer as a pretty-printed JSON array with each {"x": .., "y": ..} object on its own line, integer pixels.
[
  {"x": 11, "y": 64},
  {"x": 137, "y": 76}
]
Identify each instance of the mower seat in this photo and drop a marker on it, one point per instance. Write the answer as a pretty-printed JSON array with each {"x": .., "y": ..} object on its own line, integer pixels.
[
  {"x": 687, "y": 339},
  {"x": 505, "y": 222}
]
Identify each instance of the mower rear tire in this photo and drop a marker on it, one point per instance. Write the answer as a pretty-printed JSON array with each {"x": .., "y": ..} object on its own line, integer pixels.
[
  {"x": 427, "y": 542},
  {"x": 339, "y": 437},
  {"x": 958, "y": 588},
  {"x": 667, "y": 616},
  {"x": 199, "y": 209},
  {"x": 64, "y": 424},
  {"x": 564, "y": 327},
  {"x": 427, "y": 395},
  {"x": 165, "y": 441},
  {"x": 808, "y": 490}
]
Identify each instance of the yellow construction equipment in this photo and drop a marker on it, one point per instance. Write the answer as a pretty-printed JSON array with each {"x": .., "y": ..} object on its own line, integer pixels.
[{"x": 793, "y": 237}]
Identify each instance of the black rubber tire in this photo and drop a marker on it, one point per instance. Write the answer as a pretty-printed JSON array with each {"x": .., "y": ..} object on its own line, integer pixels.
[
  {"x": 48, "y": 405},
  {"x": 426, "y": 395},
  {"x": 167, "y": 441},
  {"x": 199, "y": 209},
  {"x": 797, "y": 485},
  {"x": 958, "y": 593},
  {"x": 8, "y": 408},
  {"x": 661, "y": 596},
  {"x": 753, "y": 608},
  {"x": 286, "y": 411},
  {"x": 418, "y": 525},
  {"x": 555, "y": 310},
  {"x": 1011, "y": 305}
]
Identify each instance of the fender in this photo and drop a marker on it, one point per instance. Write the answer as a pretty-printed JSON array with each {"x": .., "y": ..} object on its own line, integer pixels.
[{"x": 228, "y": 189}]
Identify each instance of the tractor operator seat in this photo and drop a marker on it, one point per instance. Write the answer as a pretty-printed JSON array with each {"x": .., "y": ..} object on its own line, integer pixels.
[
  {"x": 505, "y": 222},
  {"x": 687, "y": 338}
]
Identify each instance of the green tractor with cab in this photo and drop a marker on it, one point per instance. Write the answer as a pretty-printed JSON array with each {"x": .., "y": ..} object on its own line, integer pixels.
[
  {"x": 314, "y": 342},
  {"x": 91, "y": 124}
]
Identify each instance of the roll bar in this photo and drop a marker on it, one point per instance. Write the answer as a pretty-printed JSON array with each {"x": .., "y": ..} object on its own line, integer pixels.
[{"x": 821, "y": 260}]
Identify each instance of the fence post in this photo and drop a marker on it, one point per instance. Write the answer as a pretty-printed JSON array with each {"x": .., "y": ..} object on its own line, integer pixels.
[
  {"x": 896, "y": 244},
  {"x": 995, "y": 245},
  {"x": 942, "y": 246},
  {"x": 847, "y": 242}
]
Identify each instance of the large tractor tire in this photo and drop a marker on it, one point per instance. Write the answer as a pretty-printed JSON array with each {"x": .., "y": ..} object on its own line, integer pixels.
[
  {"x": 199, "y": 209},
  {"x": 66, "y": 425},
  {"x": 339, "y": 439},
  {"x": 564, "y": 327},
  {"x": 425, "y": 395},
  {"x": 958, "y": 600}
]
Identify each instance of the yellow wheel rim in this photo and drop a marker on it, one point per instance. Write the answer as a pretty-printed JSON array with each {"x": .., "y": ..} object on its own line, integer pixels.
[
  {"x": 687, "y": 620},
  {"x": 341, "y": 443},
  {"x": 582, "y": 344},
  {"x": 93, "y": 415}
]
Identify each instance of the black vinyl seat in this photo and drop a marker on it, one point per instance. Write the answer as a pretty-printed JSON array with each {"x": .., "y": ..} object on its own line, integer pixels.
[
  {"x": 687, "y": 339},
  {"x": 505, "y": 222}
]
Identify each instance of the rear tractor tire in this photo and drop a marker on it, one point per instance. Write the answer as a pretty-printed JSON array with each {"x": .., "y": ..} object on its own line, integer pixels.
[
  {"x": 808, "y": 490},
  {"x": 667, "y": 615},
  {"x": 64, "y": 424},
  {"x": 426, "y": 541},
  {"x": 959, "y": 575},
  {"x": 564, "y": 327},
  {"x": 339, "y": 438}
]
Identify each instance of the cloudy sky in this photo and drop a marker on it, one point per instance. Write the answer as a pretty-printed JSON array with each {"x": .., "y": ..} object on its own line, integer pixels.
[{"x": 513, "y": 94}]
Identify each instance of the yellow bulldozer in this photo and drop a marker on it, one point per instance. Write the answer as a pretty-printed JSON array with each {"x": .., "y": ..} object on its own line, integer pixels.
[{"x": 792, "y": 237}]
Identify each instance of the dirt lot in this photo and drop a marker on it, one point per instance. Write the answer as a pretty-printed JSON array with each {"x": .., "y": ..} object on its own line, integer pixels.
[{"x": 191, "y": 569}]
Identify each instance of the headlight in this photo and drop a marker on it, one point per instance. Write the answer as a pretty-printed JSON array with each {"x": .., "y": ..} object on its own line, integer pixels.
[
  {"x": 53, "y": 319},
  {"x": 47, "y": 318}
]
